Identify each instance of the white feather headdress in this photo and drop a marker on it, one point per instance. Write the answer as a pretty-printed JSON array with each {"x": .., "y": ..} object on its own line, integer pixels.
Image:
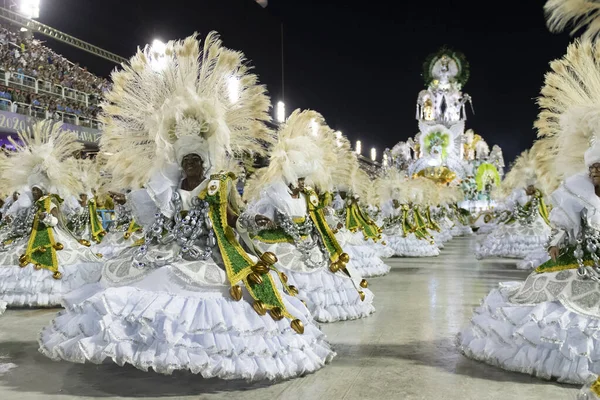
[
  {"x": 521, "y": 174},
  {"x": 578, "y": 14},
  {"x": 42, "y": 159},
  {"x": 570, "y": 108},
  {"x": 189, "y": 100},
  {"x": 299, "y": 152}
]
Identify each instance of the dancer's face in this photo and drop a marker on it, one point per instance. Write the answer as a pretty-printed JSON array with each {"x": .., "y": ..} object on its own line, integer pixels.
[
  {"x": 301, "y": 183},
  {"x": 37, "y": 193},
  {"x": 530, "y": 190},
  {"x": 192, "y": 166},
  {"x": 595, "y": 173}
]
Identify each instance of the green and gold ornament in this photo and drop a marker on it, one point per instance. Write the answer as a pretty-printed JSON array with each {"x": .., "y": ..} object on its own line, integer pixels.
[
  {"x": 42, "y": 246},
  {"x": 240, "y": 268},
  {"x": 357, "y": 220},
  {"x": 337, "y": 258}
]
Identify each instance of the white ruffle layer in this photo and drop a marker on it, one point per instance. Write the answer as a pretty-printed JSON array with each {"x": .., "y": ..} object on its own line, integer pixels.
[
  {"x": 410, "y": 246},
  {"x": 544, "y": 340},
  {"x": 443, "y": 236},
  {"x": 331, "y": 297},
  {"x": 366, "y": 261},
  {"x": 487, "y": 228},
  {"x": 509, "y": 243},
  {"x": 534, "y": 259},
  {"x": 461, "y": 230},
  {"x": 214, "y": 336},
  {"x": 37, "y": 288}
]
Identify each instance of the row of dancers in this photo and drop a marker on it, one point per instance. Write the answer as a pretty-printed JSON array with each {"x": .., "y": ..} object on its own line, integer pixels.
[{"x": 190, "y": 275}]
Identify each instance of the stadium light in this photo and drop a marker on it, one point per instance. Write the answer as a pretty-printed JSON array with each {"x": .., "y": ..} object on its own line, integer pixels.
[
  {"x": 280, "y": 112},
  {"x": 233, "y": 87},
  {"x": 373, "y": 154},
  {"x": 30, "y": 8},
  {"x": 358, "y": 147},
  {"x": 158, "y": 46},
  {"x": 157, "y": 54}
]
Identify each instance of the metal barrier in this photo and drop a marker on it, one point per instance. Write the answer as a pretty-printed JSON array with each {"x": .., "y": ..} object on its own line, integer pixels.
[{"x": 11, "y": 78}]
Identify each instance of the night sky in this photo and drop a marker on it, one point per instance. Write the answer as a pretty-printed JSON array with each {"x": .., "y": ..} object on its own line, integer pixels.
[{"x": 358, "y": 63}]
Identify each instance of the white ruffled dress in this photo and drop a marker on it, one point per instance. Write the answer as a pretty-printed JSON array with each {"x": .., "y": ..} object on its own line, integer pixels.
[
  {"x": 365, "y": 254},
  {"x": 409, "y": 245},
  {"x": 181, "y": 317},
  {"x": 28, "y": 287},
  {"x": 330, "y": 297},
  {"x": 516, "y": 239},
  {"x": 549, "y": 325}
]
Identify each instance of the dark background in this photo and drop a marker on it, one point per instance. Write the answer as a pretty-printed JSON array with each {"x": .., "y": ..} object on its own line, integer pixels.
[{"x": 358, "y": 63}]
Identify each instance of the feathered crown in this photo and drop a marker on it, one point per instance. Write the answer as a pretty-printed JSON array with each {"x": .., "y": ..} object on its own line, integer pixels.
[
  {"x": 299, "y": 152},
  {"x": 187, "y": 100},
  {"x": 41, "y": 159},
  {"x": 570, "y": 108}
]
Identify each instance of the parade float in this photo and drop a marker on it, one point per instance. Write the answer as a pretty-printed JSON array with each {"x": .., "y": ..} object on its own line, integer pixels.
[{"x": 442, "y": 150}]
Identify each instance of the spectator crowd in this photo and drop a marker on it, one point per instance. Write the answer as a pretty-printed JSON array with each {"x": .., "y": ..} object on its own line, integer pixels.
[{"x": 28, "y": 57}]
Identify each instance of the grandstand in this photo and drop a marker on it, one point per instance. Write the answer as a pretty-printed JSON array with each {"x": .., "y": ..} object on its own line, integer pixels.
[{"x": 37, "y": 82}]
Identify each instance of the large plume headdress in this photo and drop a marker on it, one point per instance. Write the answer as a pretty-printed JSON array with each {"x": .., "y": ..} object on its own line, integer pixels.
[
  {"x": 191, "y": 99},
  {"x": 521, "y": 174},
  {"x": 42, "y": 158},
  {"x": 578, "y": 14},
  {"x": 299, "y": 152},
  {"x": 570, "y": 108}
]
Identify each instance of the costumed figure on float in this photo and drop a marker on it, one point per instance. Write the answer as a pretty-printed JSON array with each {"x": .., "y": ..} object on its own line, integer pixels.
[{"x": 190, "y": 297}]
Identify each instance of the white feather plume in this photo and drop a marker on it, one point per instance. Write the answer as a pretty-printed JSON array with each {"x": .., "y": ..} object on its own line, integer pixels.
[
  {"x": 574, "y": 14},
  {"x": 570, "y": 106},
  {"x": 162, "y": 106},
  {"x": 42, "y": 155}
]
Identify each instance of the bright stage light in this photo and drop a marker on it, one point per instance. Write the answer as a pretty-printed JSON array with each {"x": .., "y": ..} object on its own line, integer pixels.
[
  {"x": 157, "y": 55},
  {"x": 373, "y": 154},
  {"x": 280, "y": 112},
  {"x": 158, "y": 46},
  {"x": 30, "y": 8},
  {"x": 233, "y": 87},
  {"x": 358, "y": 147}
]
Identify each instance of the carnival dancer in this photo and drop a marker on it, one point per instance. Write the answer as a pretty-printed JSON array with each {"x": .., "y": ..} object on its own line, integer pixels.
[
  {"x": 39, "y": 259},
  {"x": 81, "y": 210},
  {"x": 190, "y": 298},
  {"x": 284, "y": 216},
  {"x": 356, "y": 232},
  {"x": 529, "y": 228},
  {"x": 403, "y": 235},
  {"x": 548, "y": 325}
]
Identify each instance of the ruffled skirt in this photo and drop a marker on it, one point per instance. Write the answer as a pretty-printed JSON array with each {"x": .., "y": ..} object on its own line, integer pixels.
[
  {"x": 331, "y": 297},
  {"x": 411, "y": 246},
  {"x": 205, "y": 332},
  {"x": 544, "y": 340},
  {"x": 28, "y": 287},
  {"x": 513, "y": 240}
]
